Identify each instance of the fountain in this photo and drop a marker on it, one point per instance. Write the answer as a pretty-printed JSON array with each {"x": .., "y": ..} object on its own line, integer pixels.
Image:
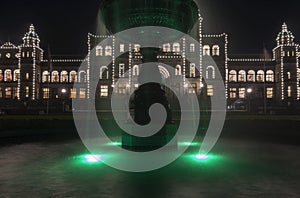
[{"x": 120, "y": 15}]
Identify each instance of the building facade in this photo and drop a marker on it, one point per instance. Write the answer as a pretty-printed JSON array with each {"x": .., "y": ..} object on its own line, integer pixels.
[{"x": 257, "y": 84}]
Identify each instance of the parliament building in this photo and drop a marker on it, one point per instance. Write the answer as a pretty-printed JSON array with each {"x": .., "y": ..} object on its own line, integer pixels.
[{"x": 31, "y": 80}]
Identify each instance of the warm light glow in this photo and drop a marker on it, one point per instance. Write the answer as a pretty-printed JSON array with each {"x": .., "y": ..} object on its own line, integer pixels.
[{"x": 63, "y": 91}]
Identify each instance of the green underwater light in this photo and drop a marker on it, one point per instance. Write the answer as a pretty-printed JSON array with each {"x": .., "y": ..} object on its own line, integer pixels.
[
  {"x": 88, "y": 159},
  {"x": 92, "y": 158}
]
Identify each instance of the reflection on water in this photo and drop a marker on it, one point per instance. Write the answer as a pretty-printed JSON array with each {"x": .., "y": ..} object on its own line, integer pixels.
[{"x": 238, "y": 168}]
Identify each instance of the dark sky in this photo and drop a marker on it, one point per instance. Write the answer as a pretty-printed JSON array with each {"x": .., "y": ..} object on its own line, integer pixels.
[{"x": 64, "y": 24}]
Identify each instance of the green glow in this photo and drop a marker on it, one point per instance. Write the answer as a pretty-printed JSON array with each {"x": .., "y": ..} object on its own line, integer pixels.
[
  {"x": 189, "y": 143},
  {"x": 88, "y": 159},
  {"x": 202, "y": 157},
  {"x": 114, "y": 144}
]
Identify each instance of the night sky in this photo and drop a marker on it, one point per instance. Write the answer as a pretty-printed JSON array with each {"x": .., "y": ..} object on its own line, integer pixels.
[{"x": 64, "y": 24}]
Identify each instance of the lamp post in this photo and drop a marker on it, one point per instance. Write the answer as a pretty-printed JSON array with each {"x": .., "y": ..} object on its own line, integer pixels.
[
  {"x": 249, "y": 91},
  {"x": 63, "y": 92}
]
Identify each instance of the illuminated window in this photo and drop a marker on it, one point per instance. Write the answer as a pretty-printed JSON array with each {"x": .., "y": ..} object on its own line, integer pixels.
[
  {"x": 82, "y": 77},
  {"x": 55, "y": 76},
  {"x": 46, "y": 93},
  {"x": 232, "y": 93},
  {"x": 167, "y": 47},
  {"x": 192, "y": 70},
  {"x": 289, "y": 92},
  {"x": 27, "y": 76},
  {"x": 192, "y": 47},
  {"x": 210, "y": 72},
  {"x": 1, "y": 94},
  {"x": 73, "y": 93},
  {"x": 122, "y": 48},
  {"x": 298, "y": 74},
  {"x": 8, "y": 92},
  {"x": 121, "y": 70},
  {"x": 260, "y": 76},
  {"x": 251, "y": 76},
  {"x": 108, "y": 51},
  {"x": 270, "y": 92},
  {"x": 64, "y": 76},
  {"x": 176, "y": 47},
  {"x": 289, "y": 75},
  {"x": 206, "y": 50},
  {"x": 178, "y": 70},
  {"x": 210, "y": 90},
  {"x": 192, "y": 88},
  {"x": 216, "y": 50},
  {"x": 15, "y": 93},
  {"x": 104, "y": 91},
  {"x": 135, "y": 70},
  {"x": 45, "y": 76},
  {"x": 242, "y": 92},
  {"x": 121, "y": 89},
  {"x": 270, "y": 76},
  {"x": 27, "y": 92},
  {"x": 232, "y": 76},
  {"x": 82, "y": 93},
  {"x": 298, "y": 90},
  {"x": 7, "y": 75},
  {"x": 1, "y": 75},
  {"x": 73, "y": 76},
  {"x": 242, "y": 76},
  {"x": 99, "y": 51},
  {"x": 137, "y": 48},
  {"x": 16, "y": 75}
]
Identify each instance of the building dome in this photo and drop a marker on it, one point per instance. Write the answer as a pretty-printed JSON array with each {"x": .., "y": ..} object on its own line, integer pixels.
[
  {"x": 285, "y": 37},
  {"x": 31, "y": 38}
]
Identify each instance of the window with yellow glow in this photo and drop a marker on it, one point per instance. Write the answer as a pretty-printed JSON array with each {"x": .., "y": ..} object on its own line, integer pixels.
[
  {"x": 104, "y": 91},
  {"x": 210, "y": 90}
]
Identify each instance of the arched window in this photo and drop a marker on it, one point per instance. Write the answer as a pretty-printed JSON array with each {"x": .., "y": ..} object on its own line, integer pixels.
[
  {"x": 164, "y": 72},
  {"x": 178, "y": 70},
  {"x": 251, "y": 76},
  {"x": 7, "y": 75},
  {"x": 55, "y": 76},
  {"x": 260, "y": 77},
  {"x": 137, "y": 48},
  {"x": 289, "y": 75},
  {"x": 1, "y": 75},
  {"x": 206, "y": 50},
  {"x": 242, "y": 76},
  {"x": 45, "y": 76},
  {"x": 166, "y": 47},
  {"x": 176, "y": 47},
  {"x": 64, "y": 76},
  {"x": 216, "y": 50},
  {"x": 108, "y": 50},
  {"x": 270, "y": 76},
  {"x": 192, "y": 47},
  {"x": 135, "y": 70},
  {"x": 104, "y": 72},
  {"x": 99, "y": 51},
  {"x": 232, "y": 76},
  {"x": 210, "y": 72},
  {"x": 82, "y": 77},
  {"x": 192, "y": 70},
  {"x": 16, "y": 75},
  {"x": 73, "y": 76}
]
